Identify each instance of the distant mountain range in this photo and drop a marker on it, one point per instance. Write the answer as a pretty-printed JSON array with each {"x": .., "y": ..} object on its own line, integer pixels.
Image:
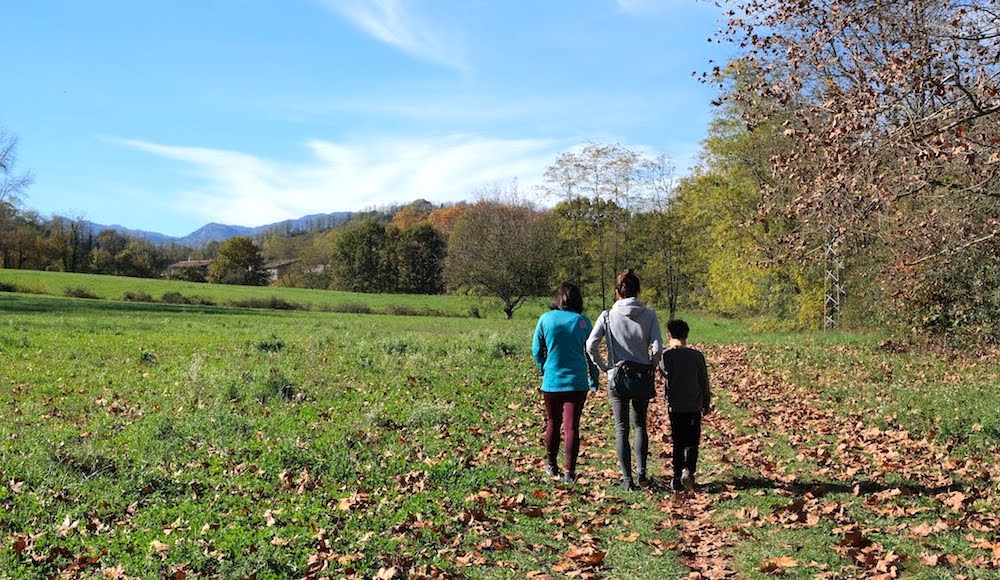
[{"x": 219, "y": 232}]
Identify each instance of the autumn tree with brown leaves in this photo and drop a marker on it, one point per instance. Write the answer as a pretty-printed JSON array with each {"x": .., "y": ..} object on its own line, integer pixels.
[
  {"x": 893, "y": 109},
  {"x": 443, "y": 219},
  {"x": 502, "y": 246}
]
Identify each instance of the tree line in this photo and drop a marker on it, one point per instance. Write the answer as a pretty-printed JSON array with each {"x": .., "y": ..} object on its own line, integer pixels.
[
  {"x": 849, "y": 177},
  {"x": 701, "y": 241},
  {"x": 604, "y": 207}
]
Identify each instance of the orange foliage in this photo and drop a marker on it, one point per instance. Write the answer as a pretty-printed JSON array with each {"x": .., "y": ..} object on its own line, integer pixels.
[
  {"x": 408, "y": 217},
  {"x": 443, "y": 219}
]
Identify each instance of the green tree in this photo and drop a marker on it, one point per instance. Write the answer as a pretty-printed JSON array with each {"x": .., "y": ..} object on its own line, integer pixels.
[
  {"x": 662, "y": 240},
  {"x": 72, "y": 241},
  {"x": 104, "y": 256},
  {"x": 574, "y": 226},
  {"x": 420, "y": 260},
  {"x": 281, "y": 246},
  {"x": 607, "y": 178},
  {"x": 362, "y": 260},
  {"x": 502, "y": 250},
  {"x": 138, "y": 259},
  {"x": 239, "y": 262},
  {"x": 739, "y": 256},
  {"x": 724, "y": 254},
  {"x": 313, "y": 268}
]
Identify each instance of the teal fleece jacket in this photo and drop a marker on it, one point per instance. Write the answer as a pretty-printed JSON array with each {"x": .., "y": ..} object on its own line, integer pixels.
[{"x": 558, "y": 348}]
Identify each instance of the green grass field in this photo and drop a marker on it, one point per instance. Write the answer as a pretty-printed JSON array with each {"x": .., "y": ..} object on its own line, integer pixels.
[
  {"x": 117, "y": 287},
  {"x": 149, "y": 440}
]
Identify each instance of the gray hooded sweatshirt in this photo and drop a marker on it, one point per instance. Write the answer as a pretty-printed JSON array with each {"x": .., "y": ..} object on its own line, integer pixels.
[{"x": 635, "y": 334}]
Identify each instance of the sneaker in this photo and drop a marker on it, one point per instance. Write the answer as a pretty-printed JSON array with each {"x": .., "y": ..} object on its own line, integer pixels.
[
  {"x": 687, "y": 480},
  {"x": 627, "y": 485},
  {"x": 551, "y": 471},
  {"x": 569, "y": 478}
]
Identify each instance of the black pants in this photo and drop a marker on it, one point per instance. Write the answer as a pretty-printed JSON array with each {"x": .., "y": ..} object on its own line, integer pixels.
[{"x": 686, "y": 432}]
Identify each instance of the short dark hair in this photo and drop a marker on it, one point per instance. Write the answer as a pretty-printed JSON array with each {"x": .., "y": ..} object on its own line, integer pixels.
[
  {"x": 678, "y": 329},
  {"x": 568, "y": 297},
  {"x": 627, "y": 284}
]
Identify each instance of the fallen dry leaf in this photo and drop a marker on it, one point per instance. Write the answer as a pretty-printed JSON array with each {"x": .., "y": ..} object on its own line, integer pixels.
[{"x": 778, "y": 565}]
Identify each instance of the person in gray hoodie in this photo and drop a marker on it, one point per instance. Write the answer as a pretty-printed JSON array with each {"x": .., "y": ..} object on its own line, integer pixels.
[{"x": 632, "y": 333}]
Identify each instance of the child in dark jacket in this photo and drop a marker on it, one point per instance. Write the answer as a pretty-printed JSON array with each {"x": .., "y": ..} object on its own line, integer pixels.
[{"x": 688, "y": 398}]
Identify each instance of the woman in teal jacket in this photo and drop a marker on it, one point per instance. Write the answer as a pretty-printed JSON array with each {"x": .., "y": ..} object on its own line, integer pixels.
[{"x": 567, "y": 374}]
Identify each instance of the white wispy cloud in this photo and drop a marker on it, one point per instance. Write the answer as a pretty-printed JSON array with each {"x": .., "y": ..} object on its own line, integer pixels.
[
  {"x": 394, "y": 23},
  {"x": 239, "y": 188}
]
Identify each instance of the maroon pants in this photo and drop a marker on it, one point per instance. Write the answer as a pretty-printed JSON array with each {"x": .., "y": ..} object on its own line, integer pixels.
[{"x": 563, "y": 410}]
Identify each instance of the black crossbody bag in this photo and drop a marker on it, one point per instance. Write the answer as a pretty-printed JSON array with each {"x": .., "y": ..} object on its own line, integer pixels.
[{"x": 629, "y": 379}]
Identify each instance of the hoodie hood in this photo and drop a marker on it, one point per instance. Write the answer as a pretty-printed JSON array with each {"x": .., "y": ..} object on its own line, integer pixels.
[{"x": 630, "y": 307}]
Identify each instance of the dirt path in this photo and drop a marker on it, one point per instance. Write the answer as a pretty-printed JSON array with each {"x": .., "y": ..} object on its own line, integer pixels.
[
  {"x": 792, "y": 443},
  {"x": 849, "y": 483}
]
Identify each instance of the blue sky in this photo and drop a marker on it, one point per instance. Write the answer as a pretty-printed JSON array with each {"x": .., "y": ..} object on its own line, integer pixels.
[{"x": 165, "y": 116}]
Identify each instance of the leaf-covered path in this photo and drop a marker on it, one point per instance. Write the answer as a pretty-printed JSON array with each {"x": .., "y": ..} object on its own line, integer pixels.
[{"x": 889, "y": 502}]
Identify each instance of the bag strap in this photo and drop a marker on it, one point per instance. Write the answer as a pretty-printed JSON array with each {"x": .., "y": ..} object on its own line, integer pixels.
[{"x": 611, "y": 339}]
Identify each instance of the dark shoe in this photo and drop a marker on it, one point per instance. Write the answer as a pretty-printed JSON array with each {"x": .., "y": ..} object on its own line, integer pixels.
[
  {"x": 627, "y": 485},
  {"x": 644, "y": 480},
  {"x": 687, "y": 480},
  {"x": 569, "y": 478},
  {"x": 551, "y": 471}
]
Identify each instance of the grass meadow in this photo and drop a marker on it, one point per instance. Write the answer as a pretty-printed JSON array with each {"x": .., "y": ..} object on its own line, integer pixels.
[{"x": 151, "y": 439}]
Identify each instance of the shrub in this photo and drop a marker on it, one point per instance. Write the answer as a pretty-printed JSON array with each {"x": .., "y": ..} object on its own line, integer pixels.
[
  {"x": 273, "y": 303},
  {"x": 173, "y": 298},
  {"x": 137, "y": 297},
  {"x": 6, "y": 287},
  {"x": 80, "y": 292},
  {"x": 956, "y": 300},
  {"x": 350, "y": 308},
  {"x": 178, "y": 298}
]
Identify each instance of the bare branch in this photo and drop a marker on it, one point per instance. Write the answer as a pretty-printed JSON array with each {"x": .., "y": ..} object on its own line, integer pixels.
[{"x": 955, "y": 250}]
